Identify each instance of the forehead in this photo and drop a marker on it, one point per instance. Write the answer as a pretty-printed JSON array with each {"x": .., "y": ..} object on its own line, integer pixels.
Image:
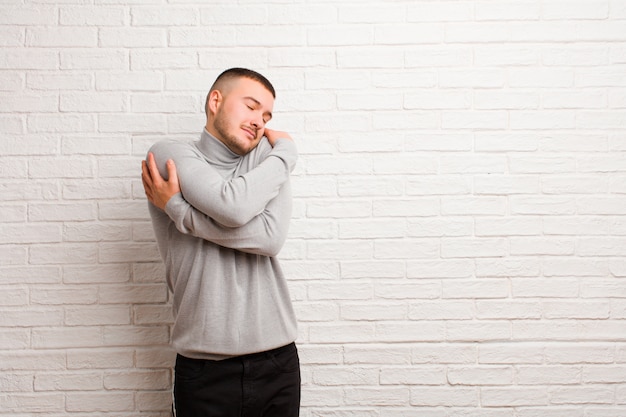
[{"x": 247, "y": 87}]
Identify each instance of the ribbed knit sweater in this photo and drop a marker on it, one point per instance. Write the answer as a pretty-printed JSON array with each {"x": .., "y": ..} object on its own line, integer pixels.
[{"x": 219, "y": 239}]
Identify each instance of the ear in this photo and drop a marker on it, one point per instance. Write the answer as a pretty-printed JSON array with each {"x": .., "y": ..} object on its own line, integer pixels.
[{"x": 213, "y": 102}]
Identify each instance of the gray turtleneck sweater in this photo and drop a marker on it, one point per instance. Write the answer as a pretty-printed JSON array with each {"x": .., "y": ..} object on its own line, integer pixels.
[{"x": 219, "y": 239}]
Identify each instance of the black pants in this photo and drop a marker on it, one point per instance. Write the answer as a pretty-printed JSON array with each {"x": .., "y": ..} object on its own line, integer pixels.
[{"x": 265, "y": 384}]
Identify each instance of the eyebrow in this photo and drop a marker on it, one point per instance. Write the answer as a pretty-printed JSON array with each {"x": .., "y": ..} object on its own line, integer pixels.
[{"x": 258, "y": 103}]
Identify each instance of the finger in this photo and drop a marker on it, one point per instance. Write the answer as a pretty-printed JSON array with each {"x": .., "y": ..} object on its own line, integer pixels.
[
  {"x": 145, "y": 174},
  {"x": 171, "y": 172},
  {"x": 155, "y": 175}
]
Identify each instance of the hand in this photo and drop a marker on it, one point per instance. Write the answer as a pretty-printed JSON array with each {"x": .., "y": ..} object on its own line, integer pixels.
[
  {"x": 157, "y": 189},
  {"x": 273, "y": 135}
]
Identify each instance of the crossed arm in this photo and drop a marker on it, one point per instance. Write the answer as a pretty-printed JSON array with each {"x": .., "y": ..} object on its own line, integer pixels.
[{"x": 249, "y": 213}]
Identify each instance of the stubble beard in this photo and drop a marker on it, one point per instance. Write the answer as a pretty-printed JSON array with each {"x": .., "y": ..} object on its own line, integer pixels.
[{"x": 231, "y": 141}]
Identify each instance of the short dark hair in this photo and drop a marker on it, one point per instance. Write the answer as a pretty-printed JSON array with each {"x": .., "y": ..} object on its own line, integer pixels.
[{"x": 233, "y": 73}]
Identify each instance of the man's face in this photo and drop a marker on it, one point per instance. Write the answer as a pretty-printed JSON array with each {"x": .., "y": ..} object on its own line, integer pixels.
[{"x": 240, "y": 117}]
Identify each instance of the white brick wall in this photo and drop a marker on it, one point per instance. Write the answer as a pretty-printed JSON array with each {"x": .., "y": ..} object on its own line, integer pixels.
[{"x": 458, "y": 245}]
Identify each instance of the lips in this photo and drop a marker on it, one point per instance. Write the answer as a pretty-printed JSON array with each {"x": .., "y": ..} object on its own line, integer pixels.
[{"x": 250, "y": 132}]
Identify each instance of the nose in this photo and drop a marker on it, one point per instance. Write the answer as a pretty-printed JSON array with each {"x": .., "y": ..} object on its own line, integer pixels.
[{"x": 257, "y": 121}]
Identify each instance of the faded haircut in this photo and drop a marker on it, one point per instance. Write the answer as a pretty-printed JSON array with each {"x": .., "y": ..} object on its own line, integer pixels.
[{"x": 234, "y": 73}]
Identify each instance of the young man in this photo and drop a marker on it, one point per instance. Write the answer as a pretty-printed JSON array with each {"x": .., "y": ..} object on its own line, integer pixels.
[{"x": 220, "y": 208}]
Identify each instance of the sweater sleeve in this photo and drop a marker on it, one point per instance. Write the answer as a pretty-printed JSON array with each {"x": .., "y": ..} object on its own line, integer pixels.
[
  {"x": 234, "y": 202},
  {"x": 264, "y": 235}
]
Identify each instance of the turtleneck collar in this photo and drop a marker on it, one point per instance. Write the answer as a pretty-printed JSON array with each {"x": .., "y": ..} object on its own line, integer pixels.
[{"x": 215, "y": 151}]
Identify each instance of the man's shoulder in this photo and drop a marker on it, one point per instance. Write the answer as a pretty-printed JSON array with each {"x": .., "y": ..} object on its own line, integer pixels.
[
  {"x": 169, "y": 146},
  {"x": 262, "y": 149}
]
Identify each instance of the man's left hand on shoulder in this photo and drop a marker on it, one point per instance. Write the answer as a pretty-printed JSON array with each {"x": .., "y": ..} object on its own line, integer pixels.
[{"x": 273, "y": 135}]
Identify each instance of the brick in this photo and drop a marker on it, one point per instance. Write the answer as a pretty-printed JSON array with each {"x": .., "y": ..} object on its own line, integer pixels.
[
  {"x": 433, "y": 310},
  {"x": 485, "y": 288},
  {"x": 294, "y": 57},
  {"x": 14, "y": 382},
  {"x": 323, "y": 312},
  {"x": 55, "y": 81},
  {"x": 99, "y": 359},
  {"x": 135, "y": 335},
  {"x": 93, "y": 102},
  {"x": 519, "y": 353},
  {"x": 580, "y": 9},
  {"x": 40, "y": 103},
  {"x": 29, "y": 59},
  {"x": 129, "y": 81},
  {"x": 371, "y": 311},
  {"x": 159, "y": 16},
  {"x": 493, "y": 309},
  {"x": 480, "y": 375},
  {"x": 444, "y": 396},
  {"x": 453, "y": 268},
  {"x": 61, "y": 123},
  {"x": 29, "y": 233},
  {"x": 377, "y": 396},
  {"x": 154, "y": 401},
  {"x": 415, "y": 33},
  {"x": 367, "y": 57},
  {"x": 574, "y": 143},
  {"x": 32, "y": 403},
  {"x": 132, "y": 123},
  {"x": 341, "y": 333},
  {"x": 507, "y": 267},
  {"x": 408, "y": 291},
  {"x": 496, "y": 397},
  {"x": 31, "y": 275},
  {"x": 97, "y": 58},
  {"x": 494, "y": 226},
  {"x": 66, "y": 337},
  {"x": 64, "y": 295},
  {"x": 603, "y": 374},
  {"x": 548, "y": 31},
  {"x": 407, "y": 207},
  {"x": 14, "y": 169},
  {"x": 337, "y": 376},
  {"x": 96, "y": 232},
  {"x": 585, "y": 330},
  {"x": 485, "y": 119},
  {"x": 28, "y": 317},
  {"x": 95, "y": 145},
  {"x": 12, "y": 124},
  {"x": 549, "y": 205},
  {"x": 14, "y": 296},
  {"x": 406, "y": 249},
  {"x": 100, "y": 402},
  {"x": 137, "y": 380},
  {"x": 60, "y": 168},
  {"x": 301, "y": 269},
  {"x": 27, "y": 15},
  {"x": 92, "y": 16},
  {"x": 487, "y": 100},
  {"x": 549, "y": 288},
  {"x": 61, "y": 37},
  {"x": 155, "y": 357},
  {"x": 524, "y": 246},
  {"x": 97, "y": 315},
  {"x": 68, "y": 381},
  {"x": 62, "y": 254},
  {"x": 508, "y": 10},
  {"x": 372, "y": 14},
  {"x": 354, "y": 35},
  {"x": 582, "y": 267},
  {"x": 580, "y": 395},
  {"x": 157, "y": 314}
]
